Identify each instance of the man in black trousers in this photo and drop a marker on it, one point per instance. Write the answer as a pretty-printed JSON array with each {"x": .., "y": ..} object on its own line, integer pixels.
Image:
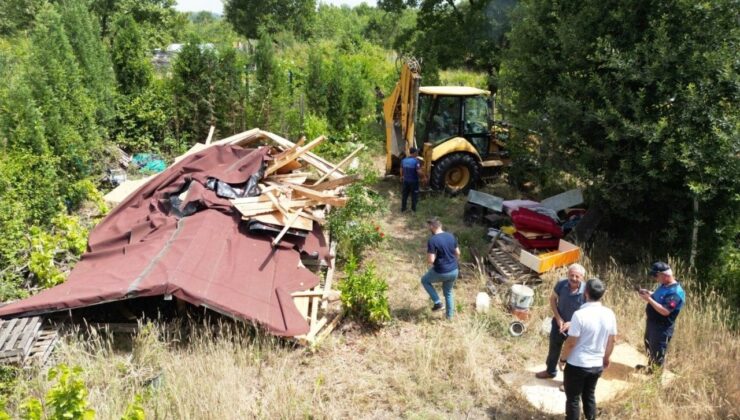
[{"x": 587, "y": 350}]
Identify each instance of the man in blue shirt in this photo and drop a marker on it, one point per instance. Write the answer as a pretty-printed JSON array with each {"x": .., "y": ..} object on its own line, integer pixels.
[
  {"x": 442, "y": 256},
  {"x": 565, "y": 299},
  {"x": 411, "y": 173},
  {"x": 662, "y": 309}
]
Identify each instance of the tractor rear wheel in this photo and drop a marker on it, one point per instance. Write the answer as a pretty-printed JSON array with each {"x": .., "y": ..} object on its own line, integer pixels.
[{"x": 455, "y": 173}]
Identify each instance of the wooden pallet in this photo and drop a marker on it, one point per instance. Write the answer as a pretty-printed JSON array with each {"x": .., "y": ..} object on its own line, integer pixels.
[{"x": 24, "y": 340}]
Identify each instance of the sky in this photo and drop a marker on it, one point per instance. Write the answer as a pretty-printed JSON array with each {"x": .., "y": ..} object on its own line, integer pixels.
[{"x": 216, "y": 6}]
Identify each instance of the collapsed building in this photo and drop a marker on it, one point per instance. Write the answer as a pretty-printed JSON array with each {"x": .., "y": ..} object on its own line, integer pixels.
[{"x": 231, "y": 226}]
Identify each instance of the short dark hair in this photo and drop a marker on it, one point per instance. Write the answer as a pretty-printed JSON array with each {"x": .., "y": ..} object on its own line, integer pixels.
[
  {"x": 595, "y": 289},
  {"x": 434, "y": 222},
  {"x": 413, "y": 150}
]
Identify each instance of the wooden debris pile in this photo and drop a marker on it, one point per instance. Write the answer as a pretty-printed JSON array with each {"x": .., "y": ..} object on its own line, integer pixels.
[
  {"x": 297, "y": 189},
  {"x": 289, "y": 198}
]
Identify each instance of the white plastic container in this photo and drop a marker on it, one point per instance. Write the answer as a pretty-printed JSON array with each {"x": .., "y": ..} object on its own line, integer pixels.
[
  {"x": 522, "y": 296},
  {"x": 482, "y": 302}
]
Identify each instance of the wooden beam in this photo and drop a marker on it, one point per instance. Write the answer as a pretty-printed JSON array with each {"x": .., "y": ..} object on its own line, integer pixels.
[
  {"x": 340, "y": 164},
  {"x": 276, "y": 218},
  {"x": 319, "y": 196},
  {"x": 314, "y": 160},
  {"x": 330, "y": 185},
  {"x": 329, "y": 276},
  {"x": 298, "y": 152},
  {"x": 210, "y": 135},
  {"x": 276, "y": 241},
  {"x": 253, "y": 209}
]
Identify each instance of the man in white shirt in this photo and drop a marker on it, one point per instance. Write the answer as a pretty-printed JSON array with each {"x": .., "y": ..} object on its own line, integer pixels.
[{"x": 587, "y": 350}]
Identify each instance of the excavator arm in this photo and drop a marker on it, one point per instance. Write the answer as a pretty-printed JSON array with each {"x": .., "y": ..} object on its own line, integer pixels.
[{"x": 399, "y": 111}]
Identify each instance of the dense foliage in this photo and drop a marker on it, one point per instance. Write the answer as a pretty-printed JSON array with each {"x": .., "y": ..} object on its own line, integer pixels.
[{"x": 639, "y": 99}]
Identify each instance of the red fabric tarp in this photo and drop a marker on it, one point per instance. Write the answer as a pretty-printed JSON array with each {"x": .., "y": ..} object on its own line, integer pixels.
[{"x": 208, "y": 258}]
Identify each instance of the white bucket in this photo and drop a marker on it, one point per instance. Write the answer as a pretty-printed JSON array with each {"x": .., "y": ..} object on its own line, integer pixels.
[
  {"x": 482, "y": 302},
  {"x": 521, "y": 296}
]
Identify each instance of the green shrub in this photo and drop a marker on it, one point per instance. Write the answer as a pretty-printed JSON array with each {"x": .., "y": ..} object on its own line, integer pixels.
[
  {"x": 52, "y": 252},
  {"x": 352, "y": 225},
  {"x": 364, "y": 295},
  {"x": 67, "y": 399}
]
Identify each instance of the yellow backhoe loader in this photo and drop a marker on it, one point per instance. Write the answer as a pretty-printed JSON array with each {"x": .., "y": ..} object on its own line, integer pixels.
[{"x": 452, "y": 126}]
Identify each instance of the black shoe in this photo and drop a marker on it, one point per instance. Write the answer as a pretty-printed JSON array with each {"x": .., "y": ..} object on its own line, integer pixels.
[
  {"x": 647, "y": 370},
  {"x": 437, "y": 307}
]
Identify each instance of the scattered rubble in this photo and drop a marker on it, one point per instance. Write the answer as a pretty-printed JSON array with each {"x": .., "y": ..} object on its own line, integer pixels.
[{"x": 234, "y": 226}]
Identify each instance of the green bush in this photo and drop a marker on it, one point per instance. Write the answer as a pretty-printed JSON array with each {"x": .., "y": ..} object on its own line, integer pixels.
[
  {"x": 352, "y": 225},
  {"x": 53, "y": 252},
  {"x": 364, "y": 294},
  {"x": 67, "y": 399}
]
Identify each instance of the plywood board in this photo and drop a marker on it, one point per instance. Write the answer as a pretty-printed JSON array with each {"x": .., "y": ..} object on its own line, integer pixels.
[
  {"x": 277, "y": 218},
  {"x": 121, "y": 192},
  {"x": 486, "y": 200},
  {"x": 564, "y": 200}
]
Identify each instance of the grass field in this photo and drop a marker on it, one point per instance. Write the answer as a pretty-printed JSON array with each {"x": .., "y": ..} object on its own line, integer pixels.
[{"x": 418, "y": 366}]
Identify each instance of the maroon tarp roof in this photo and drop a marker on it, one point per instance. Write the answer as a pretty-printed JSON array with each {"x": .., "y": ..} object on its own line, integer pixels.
[{"x": 207, "y": 258}]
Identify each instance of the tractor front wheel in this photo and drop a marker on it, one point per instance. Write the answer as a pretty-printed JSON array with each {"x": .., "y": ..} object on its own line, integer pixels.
[{"x": 455, "y": 173}]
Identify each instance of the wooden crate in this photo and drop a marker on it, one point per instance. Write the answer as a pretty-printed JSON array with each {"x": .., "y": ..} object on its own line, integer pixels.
[{"x": 567, "y": 253}]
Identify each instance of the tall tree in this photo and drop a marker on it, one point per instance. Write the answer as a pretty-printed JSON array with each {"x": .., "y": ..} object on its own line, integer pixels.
[
  {"x": 56, "y": 84},
  {"x": 17, "y": 15},
  {"x": 130, "y": 58},
  {"x": 158, "y": 21},
  {"x": 96, "y": 68},
  {"x": 230, "y": 91},
  {"x": 193, "y": 88},
  {"x": 641, "y": 99},
  {"x": 451, "y": 34},
  {"x": 248, "y": 16}
]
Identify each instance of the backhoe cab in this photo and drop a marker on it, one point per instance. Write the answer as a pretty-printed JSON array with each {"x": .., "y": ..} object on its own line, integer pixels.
[{"x": 451, "y": 125}]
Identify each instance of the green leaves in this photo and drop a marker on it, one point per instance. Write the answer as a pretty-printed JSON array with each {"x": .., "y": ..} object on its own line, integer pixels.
[
  {"x": 364, "y": 294},
  {"x": 636, "y": 97},
  {"x": 67, "y": 399}
]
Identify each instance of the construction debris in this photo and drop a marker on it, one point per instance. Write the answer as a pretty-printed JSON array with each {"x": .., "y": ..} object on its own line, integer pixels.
[
  {"x": 234, "y": 225},
  {"x": 26, "y": 341}
]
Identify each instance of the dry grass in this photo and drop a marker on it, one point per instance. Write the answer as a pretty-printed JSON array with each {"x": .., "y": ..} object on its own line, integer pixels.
[{"x": 419, "y": 366}]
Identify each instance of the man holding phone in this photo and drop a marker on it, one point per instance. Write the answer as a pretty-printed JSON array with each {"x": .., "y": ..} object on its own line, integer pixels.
[{"x": 662, "y": 309}]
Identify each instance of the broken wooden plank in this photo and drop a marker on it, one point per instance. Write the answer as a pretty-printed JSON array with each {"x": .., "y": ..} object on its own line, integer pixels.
[
  {"x": 314, "y": 160},
  {"x": 210, "y": 135},
  {"x": 254, "y": 209},
  {"x": 342, "y": 163},
  {"x": 298, "y": 152},
  {"x": 329, "y": 328},
  {"x": 277, "y": 218},
  {"x": 319, "y": 196},
  {"x": 291, "y": 178},
  {"x": 240, "y": 139},
  {"x": 335, "y": 183},
  {"x": 287, "y": 226},
  {"x": 329, "y": 274}
]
